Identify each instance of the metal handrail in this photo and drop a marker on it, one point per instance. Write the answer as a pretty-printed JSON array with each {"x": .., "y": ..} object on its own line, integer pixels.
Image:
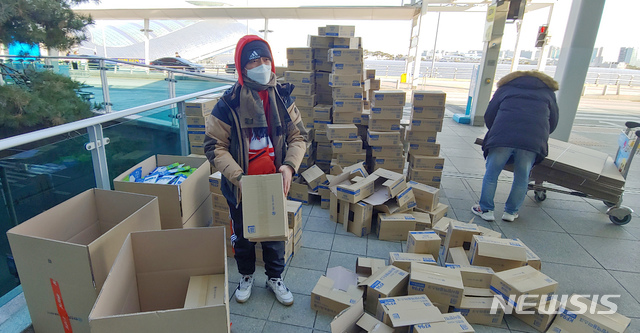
[
  {"x": 72, "y": 57},
  {"x": 21, "y": 139}
]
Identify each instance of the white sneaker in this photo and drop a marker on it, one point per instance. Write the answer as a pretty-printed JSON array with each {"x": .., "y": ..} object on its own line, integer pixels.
[
  {"x": 509, "y": 217},
  {"x": 282, "y": 293},
  {"x": 487, "y": 216},
  {"x": 243, "y": 292}
]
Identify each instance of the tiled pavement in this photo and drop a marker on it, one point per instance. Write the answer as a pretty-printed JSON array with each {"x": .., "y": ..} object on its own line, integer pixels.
[{"x": 578, "y": 245}]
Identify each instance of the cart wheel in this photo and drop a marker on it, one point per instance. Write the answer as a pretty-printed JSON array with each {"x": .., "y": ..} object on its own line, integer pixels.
[
  {"x": 540, "y": 196},
  {"x": 609, "y": 203},
  {"x": 626, "y": 219}
]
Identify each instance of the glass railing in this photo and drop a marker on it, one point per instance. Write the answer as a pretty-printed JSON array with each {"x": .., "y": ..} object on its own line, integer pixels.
[{"x": 44, "y": 168}]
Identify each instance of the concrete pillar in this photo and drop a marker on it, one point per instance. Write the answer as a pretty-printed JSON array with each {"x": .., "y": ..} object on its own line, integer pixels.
[
  {"x": 494, "y": 29},
  {"x": 575, "y": 55}
]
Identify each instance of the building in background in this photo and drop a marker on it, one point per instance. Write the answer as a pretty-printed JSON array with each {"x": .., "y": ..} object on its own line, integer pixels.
[
  {"x": 628, "y": 56},
  {"x": 596, "y": 57}
]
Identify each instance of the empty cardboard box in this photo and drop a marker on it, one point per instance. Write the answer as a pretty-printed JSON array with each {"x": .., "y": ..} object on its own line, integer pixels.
[{"x": 264, "y": 204}]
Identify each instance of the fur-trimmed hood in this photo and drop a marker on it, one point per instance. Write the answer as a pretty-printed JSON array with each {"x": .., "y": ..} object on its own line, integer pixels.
[{"x": 546, "y": 79}]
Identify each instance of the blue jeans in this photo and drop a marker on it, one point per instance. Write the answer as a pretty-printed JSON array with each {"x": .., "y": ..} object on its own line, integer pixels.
[{"x": 496, "y": 160}]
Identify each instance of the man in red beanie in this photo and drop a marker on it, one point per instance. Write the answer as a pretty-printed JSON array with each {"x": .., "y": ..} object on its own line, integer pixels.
[{"x": 255, "y": 129}]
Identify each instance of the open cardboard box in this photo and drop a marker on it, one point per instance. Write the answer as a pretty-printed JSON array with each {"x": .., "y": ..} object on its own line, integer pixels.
[
  {"x": 354, "y": 320},
  {"x": 177, "y": 202},
  {"x": 147, "y": 286},
  {"x": 66, "y": 253}
]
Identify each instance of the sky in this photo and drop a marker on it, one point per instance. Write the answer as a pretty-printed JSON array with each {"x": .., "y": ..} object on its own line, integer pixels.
[{"x": 457, "y": 31}]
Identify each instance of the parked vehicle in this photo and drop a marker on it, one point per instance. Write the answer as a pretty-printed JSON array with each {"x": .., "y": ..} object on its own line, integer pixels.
[
  {"x": 230, "y": 69},
  {"x": 178, "y": 63}
]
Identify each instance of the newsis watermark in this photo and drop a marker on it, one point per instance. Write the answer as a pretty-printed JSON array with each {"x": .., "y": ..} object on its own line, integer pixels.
[{"x": 554, "y": 304}]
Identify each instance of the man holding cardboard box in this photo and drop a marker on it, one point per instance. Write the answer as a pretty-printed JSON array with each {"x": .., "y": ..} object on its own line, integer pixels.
[{"x": 255, "y": 129}]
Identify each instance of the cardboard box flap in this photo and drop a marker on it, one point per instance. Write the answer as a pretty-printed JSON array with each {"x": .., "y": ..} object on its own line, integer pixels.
[
  {"x": 368, "y": 266},
  {"x": 374, "y": 281},
  {"x": 372, "y": 325},
  {"x": 206, "y": 290},
  {"x": 476, "y": 302},
  {"x": 477, "y": 292},
  {"x": 501, "y": 248},
  {"x": 410, "y": 310},
  {"x": 345, "y": 321}
]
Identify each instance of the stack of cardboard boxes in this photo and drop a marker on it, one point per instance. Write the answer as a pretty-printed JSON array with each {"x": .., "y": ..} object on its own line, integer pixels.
[
  {"x": 427, "y": 115},
  {"x": 197, "y": 111},
  {"x": 384, "y": 142}
]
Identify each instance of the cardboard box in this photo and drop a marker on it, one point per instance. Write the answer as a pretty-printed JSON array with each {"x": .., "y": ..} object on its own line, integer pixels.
[
  {"x": 540, "y": 321},
  {"x": 458, "y": 256},
  {"x": 386, "y": 282},
  {"x": 438, "y": 213},
  {"x": 403, "y": 312},
  {"x": 347, "y": 117},
  {"x": 377, "y": 138},
  {"x": 355, "y": 192},
  {"x": 354, "y": 319},
  {"x": 428, "y": 98},
  {"x": 420, "y": 137},
  {"x": 476, "y": 276},
  {"x": 304, "y": 101},
  {"x": 322, "y": 65},
  {"x": 492, "y": 233},
  {"x": 427, "y": 197},
  {"x": 341, "y": 55},
  {"x": 265, "y": 205},
  {"x": 325, "y": 298},
  {"x": 441, "y": 227},
  {"x": 347, "y": 105},
  {"x": 427, "y": 242},
  {"x": 395, "y": 227},
  {"x": 442, "y": 285},
  {"x": 298, "y": 77},
  {"x": 428, "y": 112},
  {"x": 347, "y": 146},
  {"x": 477, "y": 310},
  {"x": 299, "y": 53},
  {"x": 403, "y": 260},
  {"x": 423, "y": 222},
  {"x": 147, "y": 286},
  {"x": 321, "y": 124},
  {"x": 322, "y": 112},
  {"x": 304, "y": 89},
  {"x": 344, "y": 80},
  {"x": 67, "y": 251},
  {"x": 197, "y": 149},
  {"x": 206, "y": 290},
  {"x": 394, "y": 163},
  {"x": 453, "y": 323},
  {"x": 384, "y": 124},
  {"x": 426, "y": 125},
  {"x": 371, "y": 84},
  {"x": 221, "y": 218},
  {"x": 426, "y": 162},
  {"x": 315, "y": 177},
  {"x": 199, "y": 107},
  {"x": 219, "y": 202},
  {"x": 347, "y": 93},
  {"x": 498, "y": 253},
  {"x": 194, "y": 123},
  {"x": 177, "y": 202},
  {"x": 294, "y": 216},
  {"x": 215, "y": 183},
  {"x": 300, "y": 65},
  {"x": 460, "y": 234},
  {"x": 367, "y": 266},
  {"x": 340, "y": 30},
  {"x": 425, "y": 149},
  {"x": 299, "y": 192},
  {"x": 387, "y": 112},
  {"x": 202, "y": 216},
  {"x": 387, "y": 151},
  {"x": 351, "y": 158},
  {"x": 532, "y": 259},
  {"x": 424, "y": 176},
  {"x": 345, "y": 43},
  {"x": 369, "y": 74},
  {"x": 526, "y": 280},
  {"x": 347, "y": 69},
  {"x": 342, "y": 132},
  {"x": 571, "y": 320},
  {"x": 388, "y": 98}
]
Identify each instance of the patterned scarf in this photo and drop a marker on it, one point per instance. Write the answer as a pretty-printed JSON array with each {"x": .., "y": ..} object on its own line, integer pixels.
[{"x": 252, "y": 116}]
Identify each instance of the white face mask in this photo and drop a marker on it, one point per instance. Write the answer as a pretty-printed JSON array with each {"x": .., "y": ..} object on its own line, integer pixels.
[{"x": 260, "y": 74}]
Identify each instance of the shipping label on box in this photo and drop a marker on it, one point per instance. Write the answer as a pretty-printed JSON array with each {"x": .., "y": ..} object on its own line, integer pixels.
[
  {"x": 299, "y": 53},
  {"x": 304, "y": 101},
  {"x": 199, "y": 107},
  {"x": 264, "y": 204},
  {"x": 384, "y": 124},
  {"x": 347, "y": 93},
  {"x": 387, "y": 151},
  {"x": 300, "y": 65},
  {"x": 303, "y": 89},
  {"x": 386, "y": 112},
  {"x": 403, "y": 260},
  {"x": 347, "y": 69},
  {"x": 345, "y": 56},
  {"x": 428, "y": 112},
  {"x": 320, "y": 42},
  {"x": 342, "y": 132},
  {"x": 340, "y": 80},
  {"x": 498, "y": 253},
  {"x": 429, "y": 98},
  {"x": 299, "y": 77},
  {"x": 426, "y": 242},
  {"x": 378, "y": 138},
  {"x": 425, "y": 149},
  {"x": 347, "y": 105},
  {"x": 340, "y": 30},
  {"x": 426, "y": 162},
  {"x": 511, "y": 284},
  {"x": 389, "y": 98},
  {"x": 347, "y": 146},
  {"x": 442, "y": 285},
  {"x": 426, "y": 125},
  {"x": 386, "y": 282},
  {"x": 371, "y": 84}
]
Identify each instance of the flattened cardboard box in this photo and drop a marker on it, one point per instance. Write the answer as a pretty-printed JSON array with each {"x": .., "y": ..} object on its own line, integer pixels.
[
  {"x": 386, "y": 282},
  {"x": 67, "y": 251},
  {"x": 453, "y": 323},
  {"x": 526, "y": 280},
  {"x": 146, "y": 287},
  {"x": 405, "y": 311},
  {"x": 442, "y": 285},
  {"x": 264, "y": 203},
  {"x": 177, "y": 202}
]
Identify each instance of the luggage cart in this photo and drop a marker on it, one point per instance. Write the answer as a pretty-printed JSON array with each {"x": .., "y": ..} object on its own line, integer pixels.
[{"x": 627, "y": 147}]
